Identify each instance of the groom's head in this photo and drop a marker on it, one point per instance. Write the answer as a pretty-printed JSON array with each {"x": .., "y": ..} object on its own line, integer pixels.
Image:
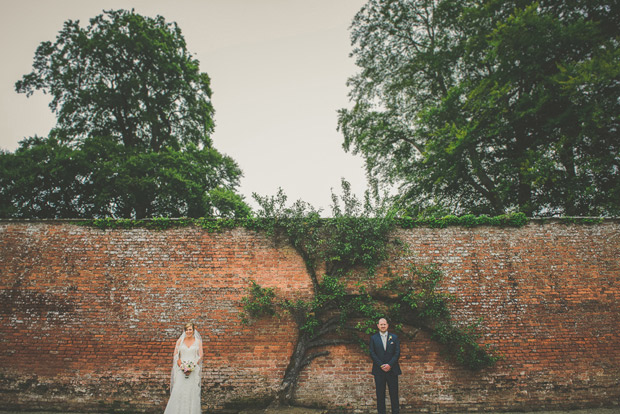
[{"x": 382, "y": 324}]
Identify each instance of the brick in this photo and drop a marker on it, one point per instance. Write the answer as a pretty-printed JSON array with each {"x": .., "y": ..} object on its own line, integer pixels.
[{"x": 90, "y": 316}]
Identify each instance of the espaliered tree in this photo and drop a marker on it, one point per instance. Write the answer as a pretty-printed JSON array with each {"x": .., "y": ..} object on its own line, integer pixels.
[{"x": 357, "y": 238}]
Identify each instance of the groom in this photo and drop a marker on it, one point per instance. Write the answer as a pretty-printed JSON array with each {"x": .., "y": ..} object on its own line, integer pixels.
[{"x": 384, "y": 351}]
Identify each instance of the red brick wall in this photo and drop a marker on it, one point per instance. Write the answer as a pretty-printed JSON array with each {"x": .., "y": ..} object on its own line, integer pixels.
[{"x": 89, "y": 318}]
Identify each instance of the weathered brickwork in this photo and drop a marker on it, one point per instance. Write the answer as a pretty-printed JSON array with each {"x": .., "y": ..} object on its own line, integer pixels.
[{"x": 89, "y": 318}]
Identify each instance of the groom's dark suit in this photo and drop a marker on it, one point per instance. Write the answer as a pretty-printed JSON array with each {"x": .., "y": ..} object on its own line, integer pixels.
[{"x": 381, "y": 356}]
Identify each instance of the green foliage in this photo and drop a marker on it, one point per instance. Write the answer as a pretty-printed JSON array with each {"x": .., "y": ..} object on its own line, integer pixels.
[
  {"x": 46, "y": 178},
  {"x": 217, "y": 225},
  {"x": 258, "y": 303},
  {"x": 420, "y": 297},
  {"x": 303, "y": 313},
  {"x": 504, "y": 220},
  {"x": 461, "y": 345},
  {"x": 127, "y": 77},
  {"x": 300, "y": 224},
  {"x": 357, "y": 238},
  {"x": 162, "y": 223},
  {"x": 156, "y": 223},
  {"x": 492, "y": 107},
  {"x": 581, "y": 220},
  {"x": 420, "y": 304},
  {"x": 40, "y": 180},
  {"x": 131, "y": 140},
  {"x": 367, "y": 311},
  {"x": 264, "y": 224},
  {"x": 356, "y": 235}
]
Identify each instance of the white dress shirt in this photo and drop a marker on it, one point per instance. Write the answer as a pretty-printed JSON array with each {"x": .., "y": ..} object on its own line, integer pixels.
[{"x": 384, "y": 337}]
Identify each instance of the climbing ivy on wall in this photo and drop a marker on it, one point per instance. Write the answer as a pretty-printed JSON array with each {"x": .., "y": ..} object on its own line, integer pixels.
[
  {"x": 266, "y": 223},
  {"x": 354, "y": 242},
  {"x": 211, "y": 224},
  {"x": 161, "y": 223}
]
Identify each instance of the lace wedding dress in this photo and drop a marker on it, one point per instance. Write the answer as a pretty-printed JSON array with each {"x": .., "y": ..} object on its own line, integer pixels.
[{"x": 185, "y": 391}]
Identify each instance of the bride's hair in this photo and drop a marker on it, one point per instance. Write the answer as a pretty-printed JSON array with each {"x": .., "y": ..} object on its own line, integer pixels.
[{"x": 189, "y": 325}]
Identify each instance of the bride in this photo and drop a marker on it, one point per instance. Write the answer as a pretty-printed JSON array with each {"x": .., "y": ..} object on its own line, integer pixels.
[{"x": 186, "y": 370}]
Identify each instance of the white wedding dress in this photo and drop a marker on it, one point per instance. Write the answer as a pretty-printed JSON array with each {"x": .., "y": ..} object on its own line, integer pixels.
[{"x": 185, "y": 391}]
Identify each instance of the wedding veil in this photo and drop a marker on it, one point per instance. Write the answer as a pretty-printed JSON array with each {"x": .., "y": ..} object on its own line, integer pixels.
[{"x": 176, "y": 355}]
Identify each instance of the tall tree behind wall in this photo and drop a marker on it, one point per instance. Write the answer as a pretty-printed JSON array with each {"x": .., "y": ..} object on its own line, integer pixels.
[
  {"x": 134, "y": 117},
  {"x": 489, "y": 106}
]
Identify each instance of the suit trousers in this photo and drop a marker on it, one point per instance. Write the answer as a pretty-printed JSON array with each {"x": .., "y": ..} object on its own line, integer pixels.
[{"x": 392, "y": 383}]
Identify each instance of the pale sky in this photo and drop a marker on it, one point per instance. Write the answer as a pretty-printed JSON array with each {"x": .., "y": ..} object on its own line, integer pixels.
[{"x": 278, "y": 70}]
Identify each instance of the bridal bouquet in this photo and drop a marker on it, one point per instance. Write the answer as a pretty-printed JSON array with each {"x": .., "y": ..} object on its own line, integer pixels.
[{"x": 187, "y": 367}]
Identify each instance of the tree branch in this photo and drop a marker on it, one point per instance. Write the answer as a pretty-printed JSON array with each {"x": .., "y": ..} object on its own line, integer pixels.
[
  {"x": 487, "y": 186},
  {"x": 311, "y": 357},
  {"x": 328, "y": 326},
  {"x": 326, "y": 342}
]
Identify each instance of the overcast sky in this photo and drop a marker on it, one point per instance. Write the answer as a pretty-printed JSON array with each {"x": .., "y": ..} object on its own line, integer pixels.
[{"x": 278, "y": 70}]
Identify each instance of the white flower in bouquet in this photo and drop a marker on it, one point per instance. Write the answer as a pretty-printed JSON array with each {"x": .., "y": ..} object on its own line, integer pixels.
[{"x": 187, "y": 367}]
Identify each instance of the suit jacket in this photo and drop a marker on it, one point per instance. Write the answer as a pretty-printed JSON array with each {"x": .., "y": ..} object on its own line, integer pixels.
[{"x": 388, "y": 356}]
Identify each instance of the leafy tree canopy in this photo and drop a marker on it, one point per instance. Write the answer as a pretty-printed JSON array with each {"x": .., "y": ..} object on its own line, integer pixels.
[
  {"x": 134, "y": 117},
  {"x": 124, "y": 76},
  {"x": 489, "y": 107},
  {"x": 47, "y": 178}
]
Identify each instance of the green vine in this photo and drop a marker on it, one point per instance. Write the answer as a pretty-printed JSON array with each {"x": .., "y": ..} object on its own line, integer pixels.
[
  {"x": 259, "y": 303},
  {"x": 420, "y": 304},
  {"x": 460, "y": 345},
  {"x": 269, "y": 224},
  {"x": 581, "y": 220},
  {"x": 505, "y": 220},
  {"x": 357, "y": 239},
  {"x": 162, "y": 223}
]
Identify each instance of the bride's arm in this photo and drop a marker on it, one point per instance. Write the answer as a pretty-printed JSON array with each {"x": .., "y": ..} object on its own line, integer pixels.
[
  {"x": 176, "y": 353},
  {"x": 200, "y": 353}
]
